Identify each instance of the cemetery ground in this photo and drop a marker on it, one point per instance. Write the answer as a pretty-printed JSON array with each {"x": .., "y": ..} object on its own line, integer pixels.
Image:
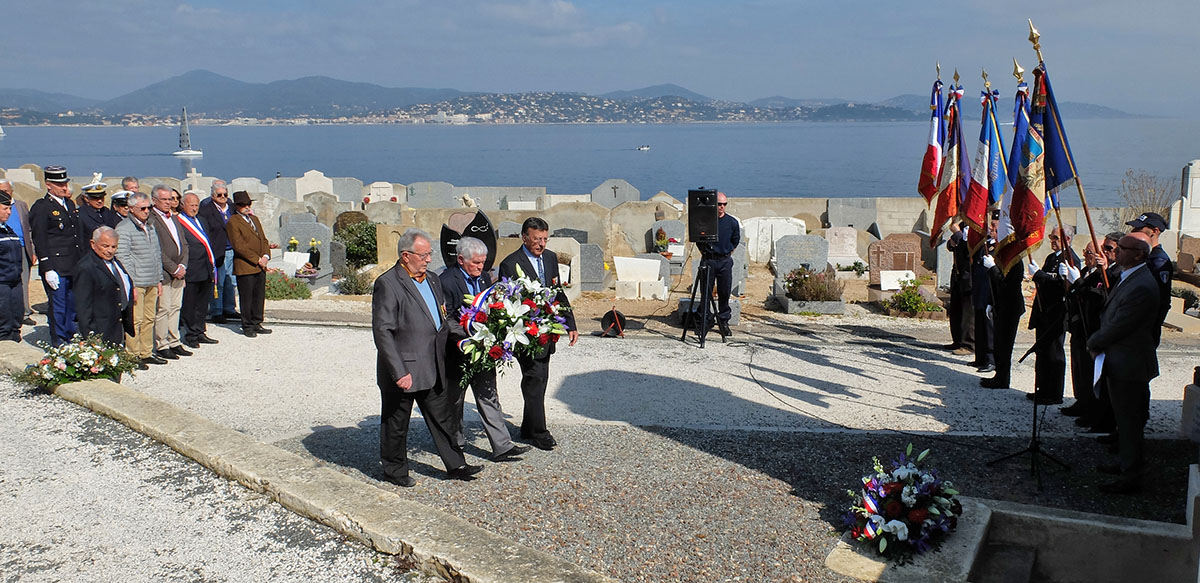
[{"x": 678, "y": 463}]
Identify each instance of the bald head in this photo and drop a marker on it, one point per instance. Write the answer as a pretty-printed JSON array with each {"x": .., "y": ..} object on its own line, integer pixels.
[{"x": 1132, "y": 249}]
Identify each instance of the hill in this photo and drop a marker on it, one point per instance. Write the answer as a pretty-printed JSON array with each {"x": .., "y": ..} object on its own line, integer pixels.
[
  {"x": 32, "y": 99},
  {"x": 657, "y": 91}
]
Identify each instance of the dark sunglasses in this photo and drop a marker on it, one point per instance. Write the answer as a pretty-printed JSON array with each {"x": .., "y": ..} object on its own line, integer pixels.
[
  {"x": 1110, "y": 248},
  {"x": 722, "y": 203}
]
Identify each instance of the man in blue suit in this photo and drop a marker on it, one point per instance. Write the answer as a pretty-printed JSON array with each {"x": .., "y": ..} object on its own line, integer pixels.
[
  {"x": 54, "y": 224},
  {"x": 537, "y": 262}
]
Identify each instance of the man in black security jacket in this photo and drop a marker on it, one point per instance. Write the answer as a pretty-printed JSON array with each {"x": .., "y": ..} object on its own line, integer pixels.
[
  {"x": 1152, "y": 225},
  {"x": 1049, "y": 317},
  {"x": 54, "y": 225},
  {"x": 720, "y": 259},
  {"x": 537, "y": 263}
]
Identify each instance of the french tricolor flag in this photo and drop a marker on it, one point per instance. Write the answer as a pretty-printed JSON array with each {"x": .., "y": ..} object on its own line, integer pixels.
[
  {"x": 931, "y": 165},
  {"x": 988, "y": 173}
]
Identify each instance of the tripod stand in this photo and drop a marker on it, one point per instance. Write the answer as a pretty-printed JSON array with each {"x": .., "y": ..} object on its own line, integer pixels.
[
  {"x": 700, "y": 317},
  {"x": 1034, "y": 449}
]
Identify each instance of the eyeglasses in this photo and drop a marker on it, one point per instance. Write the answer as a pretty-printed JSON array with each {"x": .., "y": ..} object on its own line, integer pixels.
[
  {"x": 220, "y": 195},
  {"x": 1127, "y": 248},
  {"x": 426, "y": 255},
  {"x": 1110, "y": 248},
  {"x": 1053, "y": 237},
  {"x": 722, "y": 203},
  {"x": 141, "y": 208}
]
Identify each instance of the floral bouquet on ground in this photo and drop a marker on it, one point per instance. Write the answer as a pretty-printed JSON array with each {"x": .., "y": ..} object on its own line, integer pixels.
[
  {"x": 512, "y": 317},
  {"x": 907, "y": 510},
  {"x": 79, "y": 359}
]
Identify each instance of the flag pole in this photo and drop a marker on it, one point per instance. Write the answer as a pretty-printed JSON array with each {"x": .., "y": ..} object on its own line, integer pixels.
[
  {"x": 1019, "y": 74},
  {"x": 1034, "y": 38}
]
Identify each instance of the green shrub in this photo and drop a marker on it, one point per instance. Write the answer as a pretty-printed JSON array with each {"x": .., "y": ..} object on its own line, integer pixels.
[
  {"x": 804, "y": 285},
  {"x": 909, "y": 299},
  {"x": 352, "y": 283},
  {"x": 359, "y": 239},
  {"x": 282, "y": 287}
]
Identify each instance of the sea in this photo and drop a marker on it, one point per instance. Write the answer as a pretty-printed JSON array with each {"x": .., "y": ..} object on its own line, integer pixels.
[{"x": 799, "y": 159}]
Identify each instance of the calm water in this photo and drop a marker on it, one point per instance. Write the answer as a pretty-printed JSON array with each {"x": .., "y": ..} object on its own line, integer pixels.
[{"x": 791, "y": 159}]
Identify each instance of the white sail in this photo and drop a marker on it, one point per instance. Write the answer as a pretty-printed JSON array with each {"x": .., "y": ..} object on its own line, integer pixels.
[{"x": 185, "y": 140}]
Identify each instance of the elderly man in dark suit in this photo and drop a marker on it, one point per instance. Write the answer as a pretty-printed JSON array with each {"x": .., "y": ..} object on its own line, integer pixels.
[
  {"x": 54, "y": 224},
  {"x": 465, "y": 278},
  {"x": 215, "y": 212},
  {"x": 1049, "y": 317},
  {"x": 537, "y": 263},
  {"x": 198, "y": 286},
  {"x": 409, "y": 324},
  {"x": 103, "y": 290},
  {"x": 19, "y": 222},
  {"x": 1126, "y": 342}
]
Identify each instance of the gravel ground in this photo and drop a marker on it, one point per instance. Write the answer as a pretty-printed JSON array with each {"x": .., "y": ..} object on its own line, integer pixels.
[
  {"x": 86, "y": 499},
  {"x": 723, "y": 464}
]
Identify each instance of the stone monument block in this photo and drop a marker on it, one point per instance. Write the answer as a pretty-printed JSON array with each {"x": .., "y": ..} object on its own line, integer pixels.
[
  {"x": 385, "y": 212},
  {"x": 438, "y": 195},
  {"x": 326, "y": 206},
  {"x": 251, "y": 185},
  {"x": 859, "y": 213},
  {"x": 24, "y": 176},
  {"x": 898, "y": 251},
  {"x": 664, "y": 271},
  {"x": 268, "y": 208},
  {"x": 591, "y": 267},
  {"x": 674, "y": 229},
  {"x": 508, "y": 229},
  {"x": 943, "y": 264},
  {"x": 347, "y": 189},
  {"x": 889, "y": 279},
  {"x": 305, "y": 217},
  {"x": 349, "y": 218},
  {"x": 793, "y": 251},
  {"x": 337, "y": 256},
  {"x": 284, "y": 187},
  {"x": 381, "y": 192},
  {"x": 613, "y": 192},
  {"x": 759, "y": 234},
  {"x": 1190, "y": 245},
  {"x": 843, "y": 246},
  {"x": 741, "y": 270},
  {"x": 581, "y": 236},
  {"x": 304, "y": 233},
  {"x": 313, "y": 181}
]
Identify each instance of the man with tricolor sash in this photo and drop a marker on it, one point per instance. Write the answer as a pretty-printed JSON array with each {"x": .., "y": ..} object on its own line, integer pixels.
[{"x": 198, "y": 285}]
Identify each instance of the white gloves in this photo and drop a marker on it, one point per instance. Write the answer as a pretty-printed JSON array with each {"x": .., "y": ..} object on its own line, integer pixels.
[
  {"x": 988, "y": 311},
  {"x": 988, "y": 261},
  {"x": 1033, "y": 267},
  {"x": 51, "y": 278},
  {"x": 1068, "y": 272}
]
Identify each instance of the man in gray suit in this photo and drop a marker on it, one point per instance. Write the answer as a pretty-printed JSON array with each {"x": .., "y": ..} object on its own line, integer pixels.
[
  {"x": 1125, "y": 340},
  {"x": 458, "y": 281},
  {"x": 408, "y": 322}
]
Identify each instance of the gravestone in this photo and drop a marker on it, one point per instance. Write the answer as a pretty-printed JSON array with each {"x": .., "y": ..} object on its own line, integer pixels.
[
  {"x": 664, "y": 270},
  {"x": 389, "y": 213},
  {"x": 759, "y": 234},
  {"x": 674, "y": 229},
  {"x": 613, "y": 192},
  {"x": 22, "y": 176},
  {"x": 313, "y": 181},
  {"x": 304, "y": 233},
  {"x": 468, "y": 224},
  {"x": 890, "y": 280},
  {"x": 284, "y": 187},
  {"x": 898, "y": 251},
  {"x": 337, "y": 256},
  {"x": 347, "y": 189},
  {"x": 381, "y": 192},
  {"x": 859, "y": 213},
  {"x": 741, "y": 270},
  {"x": 305, "y": 217},
  {"x": 843, "y": 246},
  {"x": 348, "y": 218},
  {"x": 795, "y": 251},
  {"x": 326, "y": 206},
  {"x": 508, "y": 229},
  {"x": 567, "y": 250},
  {"x": 438, "y": 195},
  {"x": 943, "y": 264},
  {"x": 253, "y": 186},
  {"x": 581, "y": 236},
  {"x": 591, "y": 267},
  {"x": 1191, "y": 246},
  {"x": 268, "y": 207}
]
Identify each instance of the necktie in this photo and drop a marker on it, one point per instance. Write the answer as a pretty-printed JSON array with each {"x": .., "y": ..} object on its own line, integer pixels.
[
  {"x": 252, "y": 227},
  {"x": 541, "y": 272},
  {"x": 474, "y": 284},
  {"x": 120, "y": 282}
]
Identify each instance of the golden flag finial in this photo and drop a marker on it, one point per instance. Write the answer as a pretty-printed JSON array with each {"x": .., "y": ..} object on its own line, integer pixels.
[
  {"x": 956, "y": 75},
  {"x": 1034, "y": 38},
  {"x": 939, "y": 70},
  {"x": 1018, "y": 72},
  {"x": 987, "y": 85}
]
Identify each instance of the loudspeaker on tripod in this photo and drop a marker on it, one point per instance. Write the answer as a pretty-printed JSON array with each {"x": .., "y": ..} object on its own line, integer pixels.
[{"x": 702, "y": 215}]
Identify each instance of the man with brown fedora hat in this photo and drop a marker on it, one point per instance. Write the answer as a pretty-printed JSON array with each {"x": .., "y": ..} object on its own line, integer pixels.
[{"x": 251, "y": 252}]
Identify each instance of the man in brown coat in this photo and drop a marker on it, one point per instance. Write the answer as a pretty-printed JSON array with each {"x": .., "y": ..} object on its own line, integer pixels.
[{"x": 251, "y": 251}]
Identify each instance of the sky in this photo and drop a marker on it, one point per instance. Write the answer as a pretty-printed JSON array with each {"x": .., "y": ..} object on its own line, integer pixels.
[{"x": 1136, "y": 56}]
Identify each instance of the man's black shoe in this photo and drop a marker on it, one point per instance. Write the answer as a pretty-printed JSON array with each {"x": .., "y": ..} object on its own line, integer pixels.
[
  {"x": 188, "y": 342},
  {"x": 181, "y": 351},
  {"x": 204, "y": 339},
  {"x": 544, "y": 443},
  {"x": 986, "y": 368},
  {"x": 465, "y": 473},
  {"x": 249, "y": 332},
  {"x": 154, "y": 359},
  {"x": 262, "y": 330},
  {"x": 168, "y": 354},
  {"x": 28, "y": 321},
  {"x": 1076, "y": 410},
  {"x": 1107, "y": 438},
  {"x": 510, "y": 453},
  {"x": 993, "y": 383},
  {"x": 232, "y": 315},
  {"x": 402, "y": 481},
  {"x": 217, "y": 319},
  {"x": 141, "y": 365}
]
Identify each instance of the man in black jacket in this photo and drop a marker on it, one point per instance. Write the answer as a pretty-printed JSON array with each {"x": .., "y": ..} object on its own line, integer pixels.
[
  {"x": 539, "y": 264},
  {"x": 54, "y": 224},
  {"x": 1049, "y": 317},
  {"x": 93, "y": 214},
  {"x": 458, "y": 281},
  {"x": 102, "y": 290},
  {"x": 214, "y": 214},
  {"x": 198, "y": 283}
]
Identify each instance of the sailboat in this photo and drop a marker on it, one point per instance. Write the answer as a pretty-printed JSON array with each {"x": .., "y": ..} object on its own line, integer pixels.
[
  {"x": 185, "y": 141},
  {"x": 1, "y": 131}
]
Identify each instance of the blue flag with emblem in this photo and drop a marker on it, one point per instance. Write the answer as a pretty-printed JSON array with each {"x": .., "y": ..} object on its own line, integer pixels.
[{"x": 1059, "y": 164}]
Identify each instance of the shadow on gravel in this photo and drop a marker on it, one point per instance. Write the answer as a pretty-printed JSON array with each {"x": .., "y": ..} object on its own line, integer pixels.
[
  {"x": 357, "y": 448},
  {"x": 821, "y": 466}
]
